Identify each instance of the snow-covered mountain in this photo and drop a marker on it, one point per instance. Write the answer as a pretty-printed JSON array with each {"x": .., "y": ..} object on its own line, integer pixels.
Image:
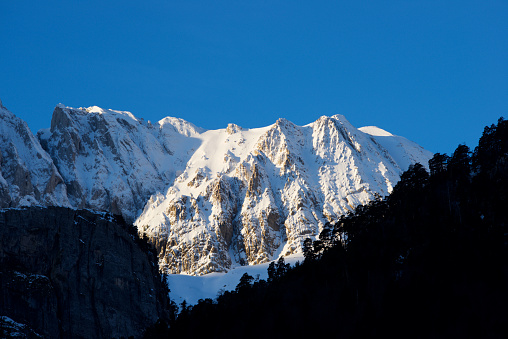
[
  {"x": 112, "y": 161},
  {"x": 27, "y": 173},
  {"x": 251, "y": 195},
  {"x": 208, "y": 199}
]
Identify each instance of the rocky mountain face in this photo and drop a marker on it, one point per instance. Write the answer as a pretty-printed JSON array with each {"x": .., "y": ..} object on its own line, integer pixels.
[
  {"x": 27, "y": 173},
  {"x": 76, "y": 274},
  {"x": 110, "y": 160},
  {"x": 207, "y": 199},
  {"x": 249, "y": 196}
]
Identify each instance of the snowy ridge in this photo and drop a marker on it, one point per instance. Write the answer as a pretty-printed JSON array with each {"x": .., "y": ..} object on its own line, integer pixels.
[
  {"x": 209, "y": 200},
  {"x": 248, "y": 196}
]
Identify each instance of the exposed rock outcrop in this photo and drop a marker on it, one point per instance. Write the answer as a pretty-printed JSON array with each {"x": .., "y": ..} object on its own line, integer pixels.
[
  {"x": 77, "y": 274},
  {"x": 110, "y": 160},
  {"x": 27, "y": 173}
]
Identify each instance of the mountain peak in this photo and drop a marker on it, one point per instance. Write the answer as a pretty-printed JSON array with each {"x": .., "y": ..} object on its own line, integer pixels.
[
  {"x": 4, "y": 112},
  {"x": 283, "y": 122},
  {"x": 60, "y": 118},
  {"x": 375, "y": 131},
  {"x": 181, "y": 126},
  {"x": 111, "y": 112},
  {"x": 95, "y": 109},
  {"x": 233, "y": 128},
  {"x": 339, "y": 117}
]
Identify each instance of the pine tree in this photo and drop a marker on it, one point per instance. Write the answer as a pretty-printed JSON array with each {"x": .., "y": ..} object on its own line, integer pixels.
[
  {"x": 245, "y": 282},
  {"x": 282, "y": 267},
  {"x": 438, "y": 164},
  {"x": 271, "y": 272},
  {"x": 308, "y": 250}
]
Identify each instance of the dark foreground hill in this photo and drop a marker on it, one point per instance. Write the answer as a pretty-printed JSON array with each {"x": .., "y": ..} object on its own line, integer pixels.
[{"x": 76, "y": 274}]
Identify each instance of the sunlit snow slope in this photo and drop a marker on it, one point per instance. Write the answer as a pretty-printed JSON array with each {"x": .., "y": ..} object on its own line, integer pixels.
[{"x": 192, "y": 288}]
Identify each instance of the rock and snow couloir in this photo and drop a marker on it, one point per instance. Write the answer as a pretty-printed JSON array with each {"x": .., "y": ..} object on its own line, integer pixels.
[{"x": 208, "y": 199}]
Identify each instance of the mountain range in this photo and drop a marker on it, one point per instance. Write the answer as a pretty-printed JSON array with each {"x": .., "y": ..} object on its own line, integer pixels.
[{"x": 208, "y": 200}]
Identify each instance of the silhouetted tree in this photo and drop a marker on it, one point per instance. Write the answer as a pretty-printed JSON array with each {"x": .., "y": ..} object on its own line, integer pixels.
[
  {"x": 438, "y": 164},
  {"x": 245, "y": 282},
  {"x": 459, "y": 165},
  {"x": 308, "y": 250},
  {"x": 416, "y": 177},
  {"x": 282, "y": 267},
  {"x": 271, "y": 272}
]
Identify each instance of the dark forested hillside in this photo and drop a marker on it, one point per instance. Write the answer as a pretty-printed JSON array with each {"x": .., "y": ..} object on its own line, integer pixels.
[{"x": 430, "y": 260}]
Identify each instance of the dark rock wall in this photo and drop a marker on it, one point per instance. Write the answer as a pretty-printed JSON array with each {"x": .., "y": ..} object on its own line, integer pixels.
[{"x": 76, "y": 274}]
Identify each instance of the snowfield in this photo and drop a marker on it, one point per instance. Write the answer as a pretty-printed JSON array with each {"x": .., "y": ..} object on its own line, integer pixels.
[{"x": 192, "y": 288}]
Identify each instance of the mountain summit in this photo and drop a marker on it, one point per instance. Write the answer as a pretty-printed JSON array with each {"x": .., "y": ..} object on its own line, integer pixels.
[
  {"x": 208, "y": 200},
  {"x": 248, "y": 196}
]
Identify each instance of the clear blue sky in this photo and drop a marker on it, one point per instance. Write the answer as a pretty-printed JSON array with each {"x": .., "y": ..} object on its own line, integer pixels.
[{"x": 435, "y": 72}]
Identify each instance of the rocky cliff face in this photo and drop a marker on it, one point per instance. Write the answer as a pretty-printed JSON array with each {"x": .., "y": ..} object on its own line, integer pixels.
[
  {"x": 110, "y": 160},
  {"x": 76, "y": 274},
  {"x": 27, "y": 173},
  {"x": 208, "y": 199}
]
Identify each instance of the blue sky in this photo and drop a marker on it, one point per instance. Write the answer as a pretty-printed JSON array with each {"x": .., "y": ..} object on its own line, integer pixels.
[{"x": 435, "y": 72}]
